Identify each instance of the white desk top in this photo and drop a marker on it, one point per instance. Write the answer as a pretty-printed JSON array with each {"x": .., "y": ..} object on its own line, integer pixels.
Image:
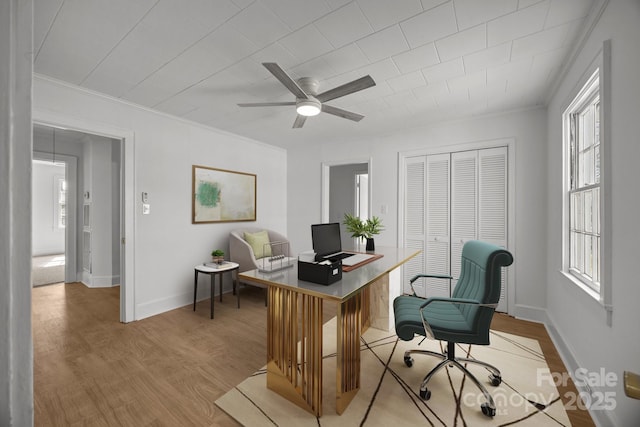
[
  {"x": 351, "y": 282},
  {"x": 212, "y": 267}
]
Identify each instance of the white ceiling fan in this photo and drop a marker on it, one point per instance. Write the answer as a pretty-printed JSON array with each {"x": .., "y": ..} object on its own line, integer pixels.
[{"x": 308, "y": 101}]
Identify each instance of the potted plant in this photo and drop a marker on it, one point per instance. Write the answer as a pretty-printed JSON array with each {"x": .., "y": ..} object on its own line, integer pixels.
[
  {"x": 217, "y": 256},
  {"x": 363, "y": 229}
]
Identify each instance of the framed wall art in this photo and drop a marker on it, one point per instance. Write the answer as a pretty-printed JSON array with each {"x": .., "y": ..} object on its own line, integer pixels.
[{"x": 220, "y": 195}]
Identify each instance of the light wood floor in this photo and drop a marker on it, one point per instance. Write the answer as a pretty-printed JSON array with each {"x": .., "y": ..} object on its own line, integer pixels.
[{"x": 167, "y": 370}]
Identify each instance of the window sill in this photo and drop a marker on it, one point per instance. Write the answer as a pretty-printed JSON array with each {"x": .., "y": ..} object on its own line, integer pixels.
[{"x": 593, "y": 294}]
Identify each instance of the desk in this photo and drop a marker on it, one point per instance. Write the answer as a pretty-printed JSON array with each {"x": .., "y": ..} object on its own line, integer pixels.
[
  {"x": 214, "y": 270},
  {"x": 294, "y": 326}
]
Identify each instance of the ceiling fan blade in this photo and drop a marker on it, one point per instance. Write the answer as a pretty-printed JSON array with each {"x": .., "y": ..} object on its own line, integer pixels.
[
  {"x": 299, "y": 121},
  {"x": 342, "y": 113},
  {"x": 347, "y": 88},
  {"x": 266, "y": 104},
  {"x": 284, "y": 78}
]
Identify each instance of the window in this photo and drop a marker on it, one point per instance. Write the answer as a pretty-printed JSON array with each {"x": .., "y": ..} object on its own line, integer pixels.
[
  {"x": 61, "y": 206},
  {"x": 362, "y": 196},
  {"x": 584, "y": 190}
]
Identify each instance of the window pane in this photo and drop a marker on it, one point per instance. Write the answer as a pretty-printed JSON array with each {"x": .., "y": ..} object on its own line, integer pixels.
[
  {"x": 596, "y": 260},
  {"x": 596, "y": 210},
  {"x": 583, "y": 130},
  {"x": 574, "y": 249},
  {"x": 588, "y": 212},
  {"x": 580, "y": 252},
  {"x": 62, "y": 200},
  {"x": 596, "y": 122},
  {"x": 596, "y": 161},
  {"x": 581, "y": 169},
  {"x": 579, "y": 218},
  {"x": 572, "y": 152},
  {"x": 588, "y": 167},
  {"x": 588, "y": 256},
  {"x": 573, "y": 209}
]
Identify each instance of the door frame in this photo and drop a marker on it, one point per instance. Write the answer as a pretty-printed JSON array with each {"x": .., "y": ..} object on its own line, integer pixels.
[
  {"x": 325, "y": 181},
  {"x": 127, "y": 195}
]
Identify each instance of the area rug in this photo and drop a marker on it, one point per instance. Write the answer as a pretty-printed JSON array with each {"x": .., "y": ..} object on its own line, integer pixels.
[
  {"x": 47, "y": 269},
  {"x": 389, "y": 389}
]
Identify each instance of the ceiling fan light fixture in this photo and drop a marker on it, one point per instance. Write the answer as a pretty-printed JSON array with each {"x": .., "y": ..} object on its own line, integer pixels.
[{"x": 308, "y": 107}]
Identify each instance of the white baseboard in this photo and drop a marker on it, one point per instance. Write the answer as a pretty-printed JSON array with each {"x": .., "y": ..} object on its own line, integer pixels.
[
  {"x": 92, "y": 281},
  {"x": 162, "y": 305},
  {"x": 600, "y": 418},
  {"x": 527, "y": 312}
]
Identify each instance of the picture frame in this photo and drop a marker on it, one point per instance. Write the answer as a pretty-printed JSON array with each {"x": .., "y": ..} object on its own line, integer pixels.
[{"x": 220, "y": 195}]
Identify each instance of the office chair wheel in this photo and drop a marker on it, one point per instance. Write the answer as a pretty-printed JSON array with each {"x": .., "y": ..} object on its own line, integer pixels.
[
  {"x": 496, "y": 380},
  {"x": 487, "y": 410},
  {"x": 408, "y": 360},
  {"x": 425, "y": 394}
]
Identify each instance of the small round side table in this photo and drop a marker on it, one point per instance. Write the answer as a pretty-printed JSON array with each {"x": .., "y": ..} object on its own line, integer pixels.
[{"x": 214, "y": 270}]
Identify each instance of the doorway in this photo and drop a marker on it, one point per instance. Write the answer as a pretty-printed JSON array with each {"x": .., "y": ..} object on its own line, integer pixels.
[
  {"x": 102, "y": 157},
  {"x": 346, "y": 188}
]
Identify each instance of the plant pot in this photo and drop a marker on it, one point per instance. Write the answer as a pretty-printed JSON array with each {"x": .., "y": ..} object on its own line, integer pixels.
[
  {"x": 217, "y": 259},
  {"x": 370, "y": 245}
]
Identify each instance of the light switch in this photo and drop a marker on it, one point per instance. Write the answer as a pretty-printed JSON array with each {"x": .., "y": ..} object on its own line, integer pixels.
[
  {"x": 146, "y": 209},
  {"x": 384, "y": 209}
]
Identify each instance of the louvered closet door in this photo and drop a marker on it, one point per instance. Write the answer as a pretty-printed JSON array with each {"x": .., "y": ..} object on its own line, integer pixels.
[
  {"x": 492, "y": 211},
  {"x": 437, "y": 257},
  {"x": 414, "y": 220},
  {"x": 464, "y": 205},
  {"x": 452, "y": 198}
]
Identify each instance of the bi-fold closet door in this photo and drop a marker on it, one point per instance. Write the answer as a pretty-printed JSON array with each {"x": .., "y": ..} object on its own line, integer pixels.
[{"x": 451, "y": 198}]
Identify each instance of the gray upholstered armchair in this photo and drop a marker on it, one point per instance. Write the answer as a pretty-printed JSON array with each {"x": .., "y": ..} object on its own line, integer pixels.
[{"x": 241, "y": 251}]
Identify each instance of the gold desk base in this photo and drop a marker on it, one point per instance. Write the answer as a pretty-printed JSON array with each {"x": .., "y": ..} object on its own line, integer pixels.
[{"x": 294, "y": 343}]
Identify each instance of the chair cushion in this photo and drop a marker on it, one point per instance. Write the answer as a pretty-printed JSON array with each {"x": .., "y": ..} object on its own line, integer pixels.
[
  {"x": 257, "y": 241},
  {"x": 447, "y": 321}
]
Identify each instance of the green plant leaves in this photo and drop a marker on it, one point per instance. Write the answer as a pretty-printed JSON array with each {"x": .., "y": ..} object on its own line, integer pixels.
[{"x": 360, "y": 228}]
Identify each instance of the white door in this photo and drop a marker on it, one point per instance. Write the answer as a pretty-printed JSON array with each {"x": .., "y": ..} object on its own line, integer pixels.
[
  {"x": 492, "y": 206},
  {"x": 438, "y": 257},
  {"x": 451, "y": 198}
]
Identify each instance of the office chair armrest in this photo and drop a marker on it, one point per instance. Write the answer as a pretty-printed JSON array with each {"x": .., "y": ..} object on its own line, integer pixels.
[
  {"x": 462, "y": 301},
  {"x": 418, "y": 276},
  {"x": 451, "y": 300}
]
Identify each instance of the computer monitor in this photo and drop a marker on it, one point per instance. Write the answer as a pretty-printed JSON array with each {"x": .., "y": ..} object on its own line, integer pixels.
[{"x": 326, "y": 239}]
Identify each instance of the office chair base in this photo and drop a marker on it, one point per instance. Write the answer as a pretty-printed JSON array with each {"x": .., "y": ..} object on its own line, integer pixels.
[{"x": 448, "y": 358}]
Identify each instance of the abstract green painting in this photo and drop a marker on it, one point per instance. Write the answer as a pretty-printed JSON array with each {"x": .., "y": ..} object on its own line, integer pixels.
[{"x": 222, "y": 196}]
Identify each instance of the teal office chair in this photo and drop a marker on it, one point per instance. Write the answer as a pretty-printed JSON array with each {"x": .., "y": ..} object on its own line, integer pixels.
[{"x": 464, "y": 318}]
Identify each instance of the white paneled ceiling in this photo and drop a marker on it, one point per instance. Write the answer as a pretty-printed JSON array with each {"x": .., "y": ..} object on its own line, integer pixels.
[{"x": 197, "y": 59}]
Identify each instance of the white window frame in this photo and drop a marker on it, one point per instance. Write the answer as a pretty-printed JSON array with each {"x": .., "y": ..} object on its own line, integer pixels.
[
  {"x": 596, "y": 76},
  {"x": 584, "y": 224},
  {"x": 59, "y": 184}
]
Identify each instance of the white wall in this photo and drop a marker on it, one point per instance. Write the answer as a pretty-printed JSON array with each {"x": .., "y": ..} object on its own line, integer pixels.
[
  {"x": 46, "y": 238},
  {"x": 527, "y": 128},
  {"x": 167, "y": 245},
  {"x": 579, "y": 320}
]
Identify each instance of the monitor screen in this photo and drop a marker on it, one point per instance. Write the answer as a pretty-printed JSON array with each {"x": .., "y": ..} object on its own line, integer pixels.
[{"x": 326, "y": 238}]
